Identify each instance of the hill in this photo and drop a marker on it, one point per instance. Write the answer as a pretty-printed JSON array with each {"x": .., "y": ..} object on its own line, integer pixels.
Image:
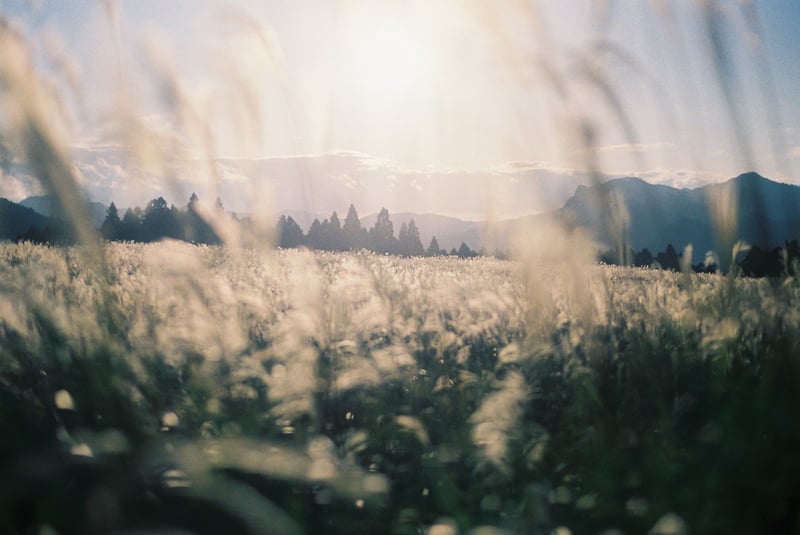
[
  {"x": 752, "y": 208},
  {"x": 16, "y": 219},
  {"x": 47, "y": 206}
]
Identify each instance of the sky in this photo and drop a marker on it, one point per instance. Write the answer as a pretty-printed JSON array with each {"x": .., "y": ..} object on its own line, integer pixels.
[{"x": 464, "y": 95}]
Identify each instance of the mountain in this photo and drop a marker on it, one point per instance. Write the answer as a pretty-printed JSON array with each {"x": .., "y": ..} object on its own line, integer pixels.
[
  {"x": 16, "y": 219},
  {"x": 47, "y": 205},
  {"x": 749, "y": 207},
  {"x": 767, "y": 211}
]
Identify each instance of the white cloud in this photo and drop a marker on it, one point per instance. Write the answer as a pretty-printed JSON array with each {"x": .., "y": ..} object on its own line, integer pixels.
[
  {"x": 16, "y": 184},
  {"x": 682, "y": 178},
  {"x": 322, "y": 183},
  {"x": 637, "y": 148}
]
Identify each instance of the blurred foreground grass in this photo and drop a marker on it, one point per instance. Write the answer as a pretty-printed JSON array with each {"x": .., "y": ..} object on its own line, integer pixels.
[{"x": 214, "y": 390}]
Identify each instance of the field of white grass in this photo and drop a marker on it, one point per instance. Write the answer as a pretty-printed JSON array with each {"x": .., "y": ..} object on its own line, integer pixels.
[
  {"x": 174, "y": 388},
  {"x": 211, "y": 390}
]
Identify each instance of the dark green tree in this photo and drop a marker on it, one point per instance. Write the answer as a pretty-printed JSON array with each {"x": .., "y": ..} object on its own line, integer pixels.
[
  {"x": 643, "y": 258},
  {"x": 131, "y": 225},
  {"x": 334, "y": 238},
  {"x": 314, "y": 239},
  {"x": 196, "y": 228},
  {"x": 381, "y": 235},
  {"x": 111, "y": 228},
  {"x": 289, "y": 233},
  {"x": 434, "y": 249},
  {"x": 402, "y": 240},
  {"x": 157, "y": 222},
  {"x": 353, "y": 235},
  {"x": 414, "y": 246},
  {"x": 325, "y": 233},
  {"x": 792, "y": 258},
  {"x": 408, "y": 241},
  {"x": 669, "y": 259},
  {"x": 176, "y": 228},
  {"x": 763, "y": 263},
  {"x": 464, "y": 251}
]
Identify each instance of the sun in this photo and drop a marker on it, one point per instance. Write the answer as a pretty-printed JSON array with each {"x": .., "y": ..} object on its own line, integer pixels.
[{"x": 391, "y": 61}]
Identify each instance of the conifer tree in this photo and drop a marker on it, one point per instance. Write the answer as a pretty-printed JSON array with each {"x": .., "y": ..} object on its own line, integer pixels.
[
  {"x": 352, "y": 233},
  {"x": 131, "y": 225},
  {"x": 334, "y": 238},
  {"x": 434, "y": 249},
  {"x": 381, "y": 235},
  {"x": 112, "y": 225},
  {"x": 289, "y": 233},
  {"x": 669, "y": 259},
  {"x": 314, "y": 239},
  {"x": 402, "y": 240},
  {"x": 464, "y": 251},
  {"x": 414, "y": 244}
]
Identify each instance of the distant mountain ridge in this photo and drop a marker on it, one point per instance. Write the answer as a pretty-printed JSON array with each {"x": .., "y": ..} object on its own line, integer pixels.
[
  {"x": 761, "y": 212},
  {"x": 16, "y": 219},
  {"x": 47, "y": 206},
  {"x": 754, "y": 209}
]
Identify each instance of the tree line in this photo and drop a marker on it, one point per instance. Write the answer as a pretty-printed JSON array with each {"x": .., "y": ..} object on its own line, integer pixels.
[
  {"x": 153, "y": 223},
  {"x": 755, "y": 262},
  {"x": 158, "y": 221},
  {"x": 333, "y": 235}
]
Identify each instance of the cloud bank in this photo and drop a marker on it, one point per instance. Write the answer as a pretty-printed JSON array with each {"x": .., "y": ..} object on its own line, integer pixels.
[{"x": 323, "y": 183}]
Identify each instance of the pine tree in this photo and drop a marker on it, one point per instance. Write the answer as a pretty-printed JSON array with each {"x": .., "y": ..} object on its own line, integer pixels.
[
  {"x": 402, "y": 240},
  {"x": 381, "y": 235},
  {"x": 464, "y": 251},
  {"x": 324, "y": 236},
  {"x": 334, "y": 238},
  {"x": 279, "y": 226},
  {"x": 289, "y": 233},
  {"x": 314, "y": 239},
  {"x": 196, "y": 228},
  {"x": 131, "y": 229},
  {"x": 414, "y": 246},
  {"x": 434, "y": 249},
  {"x": 669, "y": 259},
  {"x": 175, "y": 228},
  {"x": 643, "y": 258},
  {"x": 156, "y": 220},
  {"x": 112, "y": 225},
  {"x": 352, "y": 233}
]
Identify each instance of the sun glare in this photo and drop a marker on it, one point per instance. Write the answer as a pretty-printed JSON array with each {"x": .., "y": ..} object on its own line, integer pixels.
[{"x": 391, "y": 61}]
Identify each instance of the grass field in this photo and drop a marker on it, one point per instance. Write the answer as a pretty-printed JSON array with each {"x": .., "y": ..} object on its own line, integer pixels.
[{"x": 194, "y": 389}]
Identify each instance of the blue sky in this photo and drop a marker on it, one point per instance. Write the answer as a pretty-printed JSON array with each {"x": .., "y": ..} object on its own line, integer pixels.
[{"x": 448, "y": 85}]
